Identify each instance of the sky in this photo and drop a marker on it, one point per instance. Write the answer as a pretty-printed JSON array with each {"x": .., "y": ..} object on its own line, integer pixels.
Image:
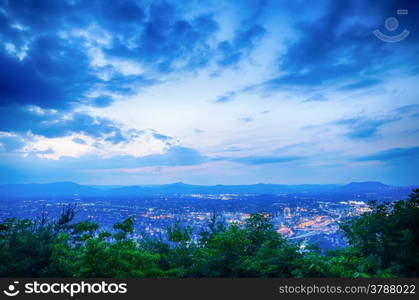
[{"x": 209, "y": 92}]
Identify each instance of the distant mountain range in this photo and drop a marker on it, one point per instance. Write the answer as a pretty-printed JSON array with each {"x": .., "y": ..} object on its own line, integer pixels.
[{"x": 72, "y": 189}]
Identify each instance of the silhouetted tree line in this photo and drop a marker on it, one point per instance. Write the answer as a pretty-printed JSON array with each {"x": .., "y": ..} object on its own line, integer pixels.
[{"x": 382, "y": 243}]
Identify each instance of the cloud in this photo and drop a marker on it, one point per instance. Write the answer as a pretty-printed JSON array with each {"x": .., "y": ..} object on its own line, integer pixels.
[
  {"x": 230, "y": 95},
  {"x": 391, "y": 154},
  {"x": 35, "y": 167},
  {"x": 362, "y": 128},
  {"x": 247, "y": 119},
  {"x": 336, "y": 45},
  {"x": 78, "y": 77},
  {"x": 47, "y": 151},
  {"x": 173, "y": 156},
  {"x": 261, "y": 160},
  {"x": 226, "y": 97},
  {"x": 161, "y": 137},
  {"x": 79, "y": 141},
  {"x": 316, "y": 98},
  {"x": 166, "y": 39},
  {"x": 102, "y": 101},
  {"x": 56, "y": 55},
  {"x": 11, "y": 143},
  {"x": 360, "y": 84},
  {"x": 53, "y": 123},
  {"x": 407, "y": 109},
  {"x": 55, "y": 72},
  {"x": 233, "y": 51}
]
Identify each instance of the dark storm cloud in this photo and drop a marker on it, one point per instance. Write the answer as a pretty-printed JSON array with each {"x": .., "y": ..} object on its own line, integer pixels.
[
  {"x": 165, "y": 38},
  {"x": 339, "y": 46},
  {"x": 55, "y": 70},
  {"x": 44, "y": 63},
  {"x": 53, "y": 75}
]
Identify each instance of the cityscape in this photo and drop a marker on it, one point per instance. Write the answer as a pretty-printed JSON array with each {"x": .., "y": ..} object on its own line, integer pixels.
[{"x": 309, "y": 218}]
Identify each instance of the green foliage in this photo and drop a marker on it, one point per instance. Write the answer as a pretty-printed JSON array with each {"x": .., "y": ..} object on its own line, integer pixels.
[
  {"x": 123, "y": 229},
  {"x": 382, "y": 243},
  {"x": 387, "y": 237}
]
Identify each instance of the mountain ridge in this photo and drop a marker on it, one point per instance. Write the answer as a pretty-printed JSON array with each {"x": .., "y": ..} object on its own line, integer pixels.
[{"x": 71, "y": 189}]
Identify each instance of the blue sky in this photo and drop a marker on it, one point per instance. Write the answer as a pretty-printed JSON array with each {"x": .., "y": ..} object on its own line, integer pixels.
[{"x": 208, "y": 92}]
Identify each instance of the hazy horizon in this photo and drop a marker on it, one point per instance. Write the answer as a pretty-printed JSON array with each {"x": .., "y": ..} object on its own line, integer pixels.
[
  {"x": 214, "y": 92},
  {"x": 217, "y": 184}
]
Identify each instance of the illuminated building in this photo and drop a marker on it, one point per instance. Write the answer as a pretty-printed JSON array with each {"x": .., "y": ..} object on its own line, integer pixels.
[{"x": 287, "y": 212}]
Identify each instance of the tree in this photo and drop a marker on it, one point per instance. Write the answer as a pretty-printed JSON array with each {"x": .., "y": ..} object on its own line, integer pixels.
[
  {"x": 387, "y": 237},
  {"x": 26, "y": 246}
]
